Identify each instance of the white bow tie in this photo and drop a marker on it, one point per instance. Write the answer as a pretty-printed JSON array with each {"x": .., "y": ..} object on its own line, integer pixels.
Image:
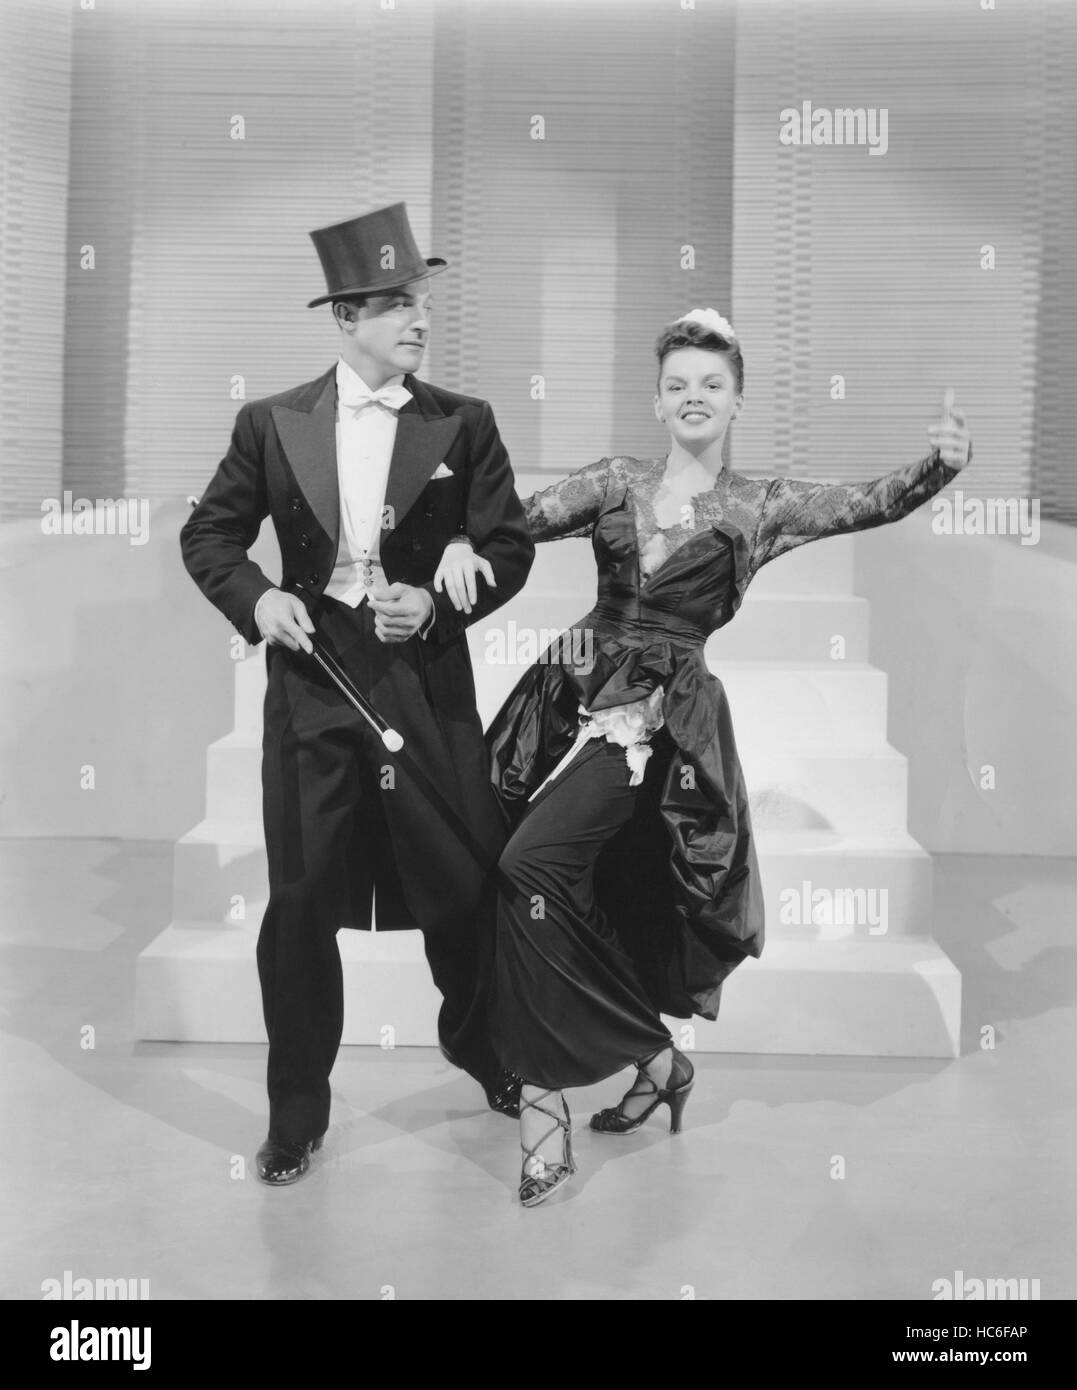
[{"x": 392, "y": 397}]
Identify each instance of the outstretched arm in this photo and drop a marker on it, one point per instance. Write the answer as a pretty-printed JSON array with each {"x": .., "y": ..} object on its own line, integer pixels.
[
  {"x": 570, "y": 507},
  {"x": 797, "y": 512}
]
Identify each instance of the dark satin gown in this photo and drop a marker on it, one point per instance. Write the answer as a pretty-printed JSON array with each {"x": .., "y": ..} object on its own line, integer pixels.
[{"x": 631, "y": 901}]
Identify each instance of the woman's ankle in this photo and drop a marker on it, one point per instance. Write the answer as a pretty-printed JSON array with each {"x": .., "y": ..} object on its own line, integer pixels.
[
  {"x": 659, "y": 1067},
  {"x": 538, "y": 1106}
]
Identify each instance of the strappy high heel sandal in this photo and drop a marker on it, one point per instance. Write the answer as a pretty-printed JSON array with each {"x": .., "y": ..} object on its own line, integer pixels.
[
  {"x": 674, "y": 1094},
  {"x": 538, "y": 1179}
]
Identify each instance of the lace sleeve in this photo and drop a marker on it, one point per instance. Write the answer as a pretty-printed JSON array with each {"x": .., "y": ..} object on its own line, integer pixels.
[
  {"x": 570, "y": 507},
  {"x": 797, "y": 512}
]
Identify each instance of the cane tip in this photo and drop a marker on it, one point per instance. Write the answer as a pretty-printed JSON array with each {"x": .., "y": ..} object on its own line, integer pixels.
[{"x": 392, "y": 740}]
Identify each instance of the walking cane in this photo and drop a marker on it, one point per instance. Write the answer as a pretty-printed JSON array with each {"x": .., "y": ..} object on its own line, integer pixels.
[
  {"x": 340, "y": 678},
  {"x": 342, "y": 681}
]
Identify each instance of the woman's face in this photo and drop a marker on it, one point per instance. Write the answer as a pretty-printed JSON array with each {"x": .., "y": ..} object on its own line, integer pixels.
[{"x": 697, "y": 397}]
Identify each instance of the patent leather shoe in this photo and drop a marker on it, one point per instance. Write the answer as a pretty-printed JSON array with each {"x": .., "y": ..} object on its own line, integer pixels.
[
  {"x": 281, "y": 1164},
  {"x": 504, "y": 1094}
]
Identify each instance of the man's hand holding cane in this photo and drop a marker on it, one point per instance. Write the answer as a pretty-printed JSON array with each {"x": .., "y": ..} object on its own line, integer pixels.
[{"x": 283, "y": 621}]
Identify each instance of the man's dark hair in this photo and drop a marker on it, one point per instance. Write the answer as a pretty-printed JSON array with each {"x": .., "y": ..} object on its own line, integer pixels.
[{"x": 356, "y": 300}]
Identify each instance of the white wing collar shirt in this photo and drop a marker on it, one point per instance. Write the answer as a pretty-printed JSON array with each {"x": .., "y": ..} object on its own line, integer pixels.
[{"x": 366, "y": 433}]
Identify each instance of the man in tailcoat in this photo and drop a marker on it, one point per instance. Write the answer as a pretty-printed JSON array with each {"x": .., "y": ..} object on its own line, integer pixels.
[{"x": 368, "y": 475}]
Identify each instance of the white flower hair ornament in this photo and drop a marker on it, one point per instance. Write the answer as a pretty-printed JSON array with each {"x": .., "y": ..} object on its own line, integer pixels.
[{"x": 712, "y": 319}]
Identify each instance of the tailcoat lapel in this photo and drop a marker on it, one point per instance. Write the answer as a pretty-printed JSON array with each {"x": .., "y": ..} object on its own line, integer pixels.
[
  {"x": 424, "y": 437},
  {"x": 308, "y": 435}
]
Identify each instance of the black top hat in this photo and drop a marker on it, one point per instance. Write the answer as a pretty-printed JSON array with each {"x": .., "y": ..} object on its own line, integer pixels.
[{"x": 370, "y": 254}]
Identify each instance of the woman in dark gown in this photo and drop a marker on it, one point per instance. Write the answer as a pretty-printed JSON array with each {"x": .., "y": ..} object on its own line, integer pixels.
[{"x": 631, "y": 886}]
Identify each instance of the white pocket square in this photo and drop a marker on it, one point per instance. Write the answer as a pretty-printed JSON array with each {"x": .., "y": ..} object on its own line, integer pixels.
[{"x": 442, "y": 472}]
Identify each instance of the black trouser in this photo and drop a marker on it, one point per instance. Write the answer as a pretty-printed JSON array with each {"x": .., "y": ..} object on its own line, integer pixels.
[
  {"x": 328, "y": 845},
  {"x": 570, "y": 1008}
]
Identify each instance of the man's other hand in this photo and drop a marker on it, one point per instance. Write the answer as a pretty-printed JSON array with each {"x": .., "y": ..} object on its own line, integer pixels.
[{"x": 400, "y": 610}]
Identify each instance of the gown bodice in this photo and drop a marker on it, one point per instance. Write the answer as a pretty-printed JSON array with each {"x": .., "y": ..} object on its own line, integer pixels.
[{"x": 677, "y": 583}]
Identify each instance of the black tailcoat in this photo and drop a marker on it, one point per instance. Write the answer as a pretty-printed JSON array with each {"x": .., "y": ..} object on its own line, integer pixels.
[{"x": 282, "y": 464}]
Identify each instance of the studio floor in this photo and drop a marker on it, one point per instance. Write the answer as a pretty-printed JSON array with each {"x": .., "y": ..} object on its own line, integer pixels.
[{"x": 796, "y": 1177}]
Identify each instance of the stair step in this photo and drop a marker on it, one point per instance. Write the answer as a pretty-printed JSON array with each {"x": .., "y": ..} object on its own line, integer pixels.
[
  {"x": 805, "y": 707},
  {"x": 844, "y": 998}
]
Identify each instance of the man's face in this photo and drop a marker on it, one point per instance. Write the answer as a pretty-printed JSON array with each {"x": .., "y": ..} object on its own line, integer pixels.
[{"x": 392, "y": 329}]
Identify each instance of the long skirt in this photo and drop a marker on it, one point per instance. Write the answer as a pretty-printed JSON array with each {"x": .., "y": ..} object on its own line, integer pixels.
[{"x": 569, "y": 1008}]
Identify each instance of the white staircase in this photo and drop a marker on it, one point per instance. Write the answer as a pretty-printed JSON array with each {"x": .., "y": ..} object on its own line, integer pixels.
[{"x": 849, "y": 967}]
